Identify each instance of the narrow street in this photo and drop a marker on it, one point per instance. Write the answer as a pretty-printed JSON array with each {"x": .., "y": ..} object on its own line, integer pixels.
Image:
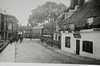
[{"x": 32, "y": 51}]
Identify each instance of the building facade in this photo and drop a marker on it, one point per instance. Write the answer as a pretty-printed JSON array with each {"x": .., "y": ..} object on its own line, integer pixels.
[
  {"x": 84, "y": 43},
  {"x": 84, "y": 38},
  {"x": 8, "y": 25}
]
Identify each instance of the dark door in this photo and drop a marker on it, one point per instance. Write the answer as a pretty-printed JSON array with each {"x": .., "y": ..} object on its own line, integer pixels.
[{"x": 77, "y": 47}]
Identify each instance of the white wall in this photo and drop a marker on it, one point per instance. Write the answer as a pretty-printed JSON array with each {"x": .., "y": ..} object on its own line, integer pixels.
[
  {"x": 56, "y": 36},
  {"x": 72, "y": 48},
  {"x": 88, "y": 36},
  {"x": 95, "y": 37}
]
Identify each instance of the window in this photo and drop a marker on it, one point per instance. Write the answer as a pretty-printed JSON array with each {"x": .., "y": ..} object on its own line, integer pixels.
[
  {"x": 56, "y": 37},
  {"x": 59, "y": 38},
  {"x": 67, "y": 42},
  {"x": 88, "y": 46}
]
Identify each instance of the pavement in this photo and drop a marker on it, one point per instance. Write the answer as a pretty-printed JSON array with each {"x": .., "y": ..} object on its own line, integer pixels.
[
  {"x": 8, "y": 54},
  {"x": 34, "y": 51}
]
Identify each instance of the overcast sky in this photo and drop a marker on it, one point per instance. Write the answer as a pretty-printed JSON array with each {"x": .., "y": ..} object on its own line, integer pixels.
[{"x": 22, "y": 8}]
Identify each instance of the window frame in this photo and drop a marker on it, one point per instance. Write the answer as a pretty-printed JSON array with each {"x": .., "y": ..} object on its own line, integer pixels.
[
  {"x": 87, "y": 47},
  {"x": 68, "y": 41}
]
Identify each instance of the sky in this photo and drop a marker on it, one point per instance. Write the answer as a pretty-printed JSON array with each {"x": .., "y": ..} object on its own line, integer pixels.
[{"x": 22, "y": 8}]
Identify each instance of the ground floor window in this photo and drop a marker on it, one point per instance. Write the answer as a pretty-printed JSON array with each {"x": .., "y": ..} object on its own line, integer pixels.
[
  {"x": 67, "y": 42},
  {"x": 56, "y": 37},
  {"x": 88, "y": 46},
  {"x": 59, "y": 38}
]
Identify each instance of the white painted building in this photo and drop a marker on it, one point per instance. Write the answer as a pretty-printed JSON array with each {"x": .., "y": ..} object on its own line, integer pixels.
[
  {"x": 85, "y": 43},
  {"x": 68, "y": 42},
  {"x": 56, "y": 36}
]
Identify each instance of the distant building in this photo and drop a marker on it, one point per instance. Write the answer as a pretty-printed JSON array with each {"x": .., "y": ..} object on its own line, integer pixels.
[{"x": 8, "y": 25}]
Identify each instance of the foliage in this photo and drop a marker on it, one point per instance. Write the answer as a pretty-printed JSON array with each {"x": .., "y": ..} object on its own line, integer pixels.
[{"x": 43, "y": 12}]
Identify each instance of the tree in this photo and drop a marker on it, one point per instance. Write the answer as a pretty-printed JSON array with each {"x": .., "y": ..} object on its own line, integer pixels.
[{"x": 43, "y": 12}]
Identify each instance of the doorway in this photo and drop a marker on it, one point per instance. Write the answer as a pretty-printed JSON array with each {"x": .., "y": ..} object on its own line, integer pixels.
[{"x": 77, "y": 47}]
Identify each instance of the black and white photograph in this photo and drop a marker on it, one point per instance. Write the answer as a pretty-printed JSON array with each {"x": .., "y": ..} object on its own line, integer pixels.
[{"x": 50, "y": 31}]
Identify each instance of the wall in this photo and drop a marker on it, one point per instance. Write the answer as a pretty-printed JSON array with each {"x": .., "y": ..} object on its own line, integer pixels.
[
  {"x": 87, "y": 36},
  {"x": 95, "y": 37},
  {"x": 72, "y": 48},
  {"x": 56, "y": 36}
]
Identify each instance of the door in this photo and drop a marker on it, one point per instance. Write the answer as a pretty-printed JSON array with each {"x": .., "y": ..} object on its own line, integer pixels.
[{"x": 77, "y": 47}]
